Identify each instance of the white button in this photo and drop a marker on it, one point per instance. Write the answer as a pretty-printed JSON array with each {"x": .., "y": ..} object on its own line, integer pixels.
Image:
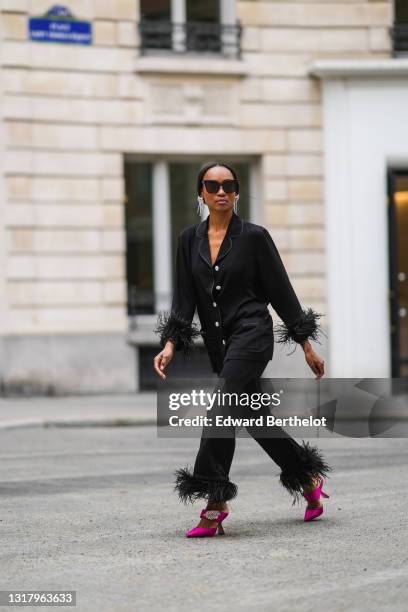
[
  {"x": 217, "y": 324},
  {"x": 216, "y": 268},
  {"x": 214, "y": 303},
  {"x": 218, "y": 287},
  {"x": 223, "y": 341}
]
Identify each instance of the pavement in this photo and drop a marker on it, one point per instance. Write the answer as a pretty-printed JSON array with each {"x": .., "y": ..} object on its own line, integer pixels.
[
  {"x": 92, "y": 509},
  {"x": 79, "y": 411}
]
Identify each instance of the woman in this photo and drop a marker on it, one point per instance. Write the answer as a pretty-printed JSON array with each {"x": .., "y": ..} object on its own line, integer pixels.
[{"x": 230, "y": 270}]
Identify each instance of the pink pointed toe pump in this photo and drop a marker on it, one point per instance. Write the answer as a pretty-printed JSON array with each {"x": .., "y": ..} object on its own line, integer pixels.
[
  {"x": 207, "y": 532},
  {"x": 312, "y": 513}
]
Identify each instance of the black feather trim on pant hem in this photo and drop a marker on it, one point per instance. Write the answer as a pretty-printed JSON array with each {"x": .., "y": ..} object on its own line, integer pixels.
[
  {"x": 311, "y": 465},
  {"x": 173, "y": 326},
  {"x": 190, "y": 487}
]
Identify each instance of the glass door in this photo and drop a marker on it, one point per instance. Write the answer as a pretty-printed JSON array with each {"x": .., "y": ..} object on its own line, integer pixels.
[{"x": 398, "y": 233}]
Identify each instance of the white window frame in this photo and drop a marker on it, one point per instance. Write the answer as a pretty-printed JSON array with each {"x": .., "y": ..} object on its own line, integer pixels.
[{"x": 228, "y": 16}]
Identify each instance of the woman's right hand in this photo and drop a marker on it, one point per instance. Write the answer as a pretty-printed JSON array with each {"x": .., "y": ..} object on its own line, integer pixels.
[{"x": 162, "y": 359}]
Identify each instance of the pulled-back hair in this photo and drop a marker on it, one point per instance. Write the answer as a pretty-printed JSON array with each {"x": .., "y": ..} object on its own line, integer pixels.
[{"x": 211, "y": 164}]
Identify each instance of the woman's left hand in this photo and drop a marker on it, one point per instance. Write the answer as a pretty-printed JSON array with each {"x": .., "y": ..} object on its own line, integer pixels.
[{"x": 316, "y": 364}]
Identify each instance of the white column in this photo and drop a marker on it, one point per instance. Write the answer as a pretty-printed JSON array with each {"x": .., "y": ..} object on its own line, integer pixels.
[
  {"x": 178, "y": 17},
  {"x": 256, "y": 209},
  {"x": 161, "y": 236},
  {"x": 228, "y": 16}
]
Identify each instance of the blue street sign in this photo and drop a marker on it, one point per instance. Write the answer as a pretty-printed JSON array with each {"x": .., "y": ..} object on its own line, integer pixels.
[{"x": 59, "y": 25}]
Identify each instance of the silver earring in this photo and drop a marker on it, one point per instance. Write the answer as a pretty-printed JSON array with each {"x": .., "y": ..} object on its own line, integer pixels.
[
  {"x": 200, "y": 207},
  {"x": 236, "y": 200}
]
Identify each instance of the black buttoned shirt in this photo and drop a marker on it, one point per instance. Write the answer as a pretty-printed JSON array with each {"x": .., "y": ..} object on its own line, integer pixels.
[{"x": 232, "y": 295}]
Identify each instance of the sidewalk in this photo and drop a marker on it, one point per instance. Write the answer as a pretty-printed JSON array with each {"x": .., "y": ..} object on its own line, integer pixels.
[{"x": 78, "y": 411}]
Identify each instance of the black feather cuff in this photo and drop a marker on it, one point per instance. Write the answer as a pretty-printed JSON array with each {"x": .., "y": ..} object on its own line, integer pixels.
[
  {"x": 305, "y": 327},
  {"x": 310, "y": 466},
  {"x": 172, "y": 326},
  {"x": 190, "y": 487}
]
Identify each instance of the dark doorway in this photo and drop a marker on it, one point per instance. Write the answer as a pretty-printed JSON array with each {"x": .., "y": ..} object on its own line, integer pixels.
[{"x": 398, "y": 246}]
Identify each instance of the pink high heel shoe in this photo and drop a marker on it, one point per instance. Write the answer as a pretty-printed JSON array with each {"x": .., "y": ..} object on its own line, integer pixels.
[
  {"x": 207, "y": 532},
  {"x": 312, "y": 513}
]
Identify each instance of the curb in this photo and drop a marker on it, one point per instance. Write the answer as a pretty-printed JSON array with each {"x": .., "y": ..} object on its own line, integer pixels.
[{"x": 104, "y": 422}]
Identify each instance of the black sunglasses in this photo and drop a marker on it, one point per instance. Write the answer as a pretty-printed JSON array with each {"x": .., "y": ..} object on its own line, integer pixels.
[{"x": 229, "y": 186}]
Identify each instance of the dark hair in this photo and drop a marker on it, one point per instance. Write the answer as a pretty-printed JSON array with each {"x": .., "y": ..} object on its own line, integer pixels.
[{"x": 209, "y": 165}]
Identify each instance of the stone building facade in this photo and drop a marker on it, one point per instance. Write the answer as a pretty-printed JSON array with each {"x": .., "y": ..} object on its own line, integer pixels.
[{"x": 74, "y": 115}]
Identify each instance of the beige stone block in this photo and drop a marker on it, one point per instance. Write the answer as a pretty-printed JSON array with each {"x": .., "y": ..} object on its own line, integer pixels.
[
  {"x": 24, "y": 214},
  {"x": 380, "y": 39},
  {"x": 115, "y": 9},
  {"x": 66, "y": 241},
  {"x": 53, "y": 189},
  {"x": 250, "y": 90},
  {"x": 112, "y": 189},
  {"x": 49, "y": 215},
  {"x": 61, "y": 57},
  {"x": 304, "y": 165},
  {"x": 311, "y": 40},
  {"x": 292, "y": 165},
  {"x": 305, "y": 262},
  {"x": 81, "y": 318},
  {"x": 298, "y": 90},
  {"x": 300, "y": 238},
  {"x": 43, "y": 136},
  {"x": 278, "y": 64},
  {"x": 126, "y": 33},
  {"x": 75, "y": 189},
  {"x": 113, "y": 215},
  {"x": 131, "y": 86},
  {"x": 15, "y": 5},
  {"x": 104, "y": 33},
  {"x": 274, "y": 165},
  {"x": 114, "y": 266},
  {"x": 194, "y": 141},
  {"x": 251, "y": 39},
  {"x": 55, "y": 267},
  {"x": 13, "y": 26},
  {"x": 279, "y": 115},
  {"x": 19, "y": 215},
  {"x": 314, "y": 14},
  {"x": 50, "y": 82},
  {"x": 294, "y": 214},
  {"x": 71, "y": 110},
  {"x": 305, "y": 189},
  {"x": 114, "y": 241},
  {"x": 18, "y": 187},
  {"x": 305, "y": 140},
  {"x": 20, "y": 240},
  {"x": 275, "y": 189},
  {"x": 310, "y": 288},
  {"x": 114, "y": 292},
  {"x": 61, "y": 163},
  {"x": 280, "y": 236},
  {"x": 22, "y": 293},
  {"x": 20, "y": 266}
]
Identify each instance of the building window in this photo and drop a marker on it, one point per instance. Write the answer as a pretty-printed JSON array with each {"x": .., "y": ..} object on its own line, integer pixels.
[
  {"x": 400, "y": 29},
  {"x": 188, "y": 26},
  {"x": 139, "y": 238},
  {"x": 161, "y": 200}
]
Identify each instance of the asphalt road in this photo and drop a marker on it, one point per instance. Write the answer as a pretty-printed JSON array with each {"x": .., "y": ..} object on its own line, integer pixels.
[{"x": 92, "y": 510}]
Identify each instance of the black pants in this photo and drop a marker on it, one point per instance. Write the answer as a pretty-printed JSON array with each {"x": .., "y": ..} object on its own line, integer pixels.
[{"x": 299, "y": 463}]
